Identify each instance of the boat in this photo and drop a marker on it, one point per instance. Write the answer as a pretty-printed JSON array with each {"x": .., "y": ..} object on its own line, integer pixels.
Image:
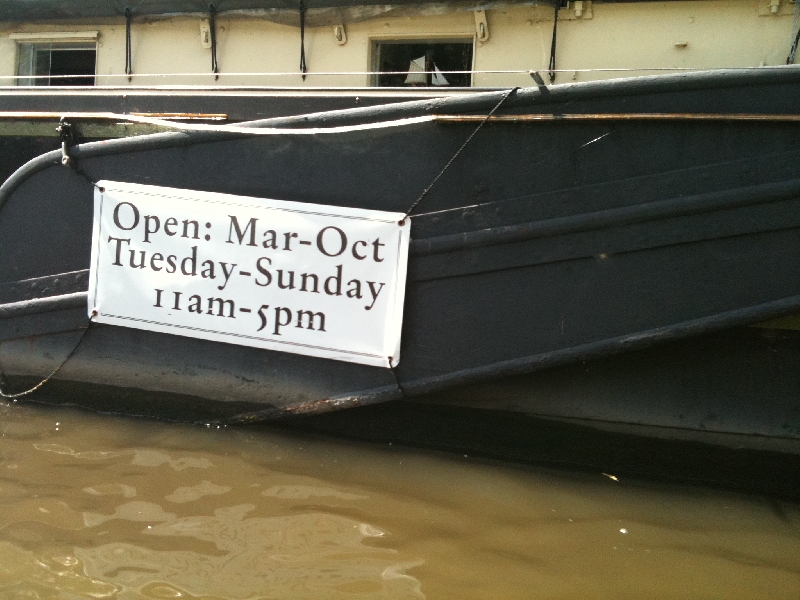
[{"x": 619, "y": 252}]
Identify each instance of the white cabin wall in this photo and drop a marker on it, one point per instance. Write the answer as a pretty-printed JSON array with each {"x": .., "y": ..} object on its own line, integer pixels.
[
  {"x": 717, "y": 33},
  {"x": 164, "y": 46},
  {"x": 722, "y": 33},
  {"x": 8, "y": 59}
]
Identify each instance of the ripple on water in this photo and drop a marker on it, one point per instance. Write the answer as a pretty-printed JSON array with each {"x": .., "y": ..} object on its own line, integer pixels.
[{"x": 119, "y": 508}]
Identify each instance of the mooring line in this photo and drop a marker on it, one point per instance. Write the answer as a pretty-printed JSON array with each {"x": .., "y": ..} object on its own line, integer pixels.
[
  {"x": 46, "y": 379},
  {"x": 464, "y": 145}
]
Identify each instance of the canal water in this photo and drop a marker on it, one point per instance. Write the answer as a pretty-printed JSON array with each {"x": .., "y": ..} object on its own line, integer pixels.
[{"x": 110, "y": 507}]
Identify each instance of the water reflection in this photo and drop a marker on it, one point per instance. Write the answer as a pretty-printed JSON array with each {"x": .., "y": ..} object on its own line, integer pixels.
[
  {"x": 308, "y": 555},
  {"x": 111, "y": 508}
]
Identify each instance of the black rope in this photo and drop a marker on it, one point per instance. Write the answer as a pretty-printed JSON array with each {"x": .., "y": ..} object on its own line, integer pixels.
[
  {"x": 393, "y": 369},
  {"x": 464, "y": 145},
  {"x": 556, "y": 6},
  {"x": 212, "y": 26},
  {"x": 303, "y": 67},
  {"x": 128, "y": 61},
  {"x": 793, "y": 50}
]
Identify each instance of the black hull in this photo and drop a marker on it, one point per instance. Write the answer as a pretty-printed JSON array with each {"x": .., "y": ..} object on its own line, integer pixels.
[
  {"x": 545, "y": 244},
  {"x": 22, "y": 142}
]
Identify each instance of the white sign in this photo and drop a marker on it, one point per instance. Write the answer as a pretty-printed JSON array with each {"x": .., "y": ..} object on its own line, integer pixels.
[{"x": 320, "y": 280}]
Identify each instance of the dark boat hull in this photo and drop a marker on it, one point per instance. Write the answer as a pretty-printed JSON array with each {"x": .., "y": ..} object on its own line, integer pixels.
[
  {"x": 545, "y": 244},
  {"x": 26, "y": 137}
]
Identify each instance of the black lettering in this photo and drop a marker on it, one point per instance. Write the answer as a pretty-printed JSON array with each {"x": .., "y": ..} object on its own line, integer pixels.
[
  {"x": 288, "y": 236},
  {"x": 304, "y": 281},
  {"x": 278, "y": 323},
  {"x": 271, "y": 240},
  {"x": 290, "y": 286},
  {"x": 171, "y": 222},
  {"x": 263, "y": 316},
  {"x": 135, "y": 216},
  {"x": 147, "y": 231},
  {"x": 193, "y": 260},
  {"x": 221, "y": 304},
  {"x": 177, "y": 300},
  {"x": 227, "y": 272},
  {"x": 356, "y": 255},
  {"x": 158, "y": 298},
  {"x": 186, "y": 224},
  {"x": 157, "y": 257},
  {"x": 119, "y": 248},
  {"x": 321, "y": 239},
  {"x": 377, "y": 244},
  {"x": 354, "y": 291},
  {"x": 234, "y": 226},
  {"x": 196, "y": 304},
  {"x": 374, "y": 293},
  {"x": 338, "y": 279},
  {"x": 208, "y": 272},
  {"x": 133, "y": 256},
  {"x": 172, "y": 266},
  {"x": 264, "y": 272},
  {"x": 311, "y": 316}
]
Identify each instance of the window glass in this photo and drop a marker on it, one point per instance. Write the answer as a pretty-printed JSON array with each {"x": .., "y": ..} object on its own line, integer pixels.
[
  {"x": 422, "y": 63},
  {"x": 51, "y": 63}
]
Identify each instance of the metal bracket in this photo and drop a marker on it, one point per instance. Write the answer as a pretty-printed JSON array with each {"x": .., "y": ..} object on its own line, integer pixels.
[
  {"x": 205, "y": 34},
  {"x": 67, "y": 136},
  {"x": 481, "y": 26},
  {"x": 340, "y": 34},
  {"x": 776, "y": 8}
]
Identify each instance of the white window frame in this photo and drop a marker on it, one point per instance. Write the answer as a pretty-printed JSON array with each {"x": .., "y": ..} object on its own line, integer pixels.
[{"x": 54, "y": 38}]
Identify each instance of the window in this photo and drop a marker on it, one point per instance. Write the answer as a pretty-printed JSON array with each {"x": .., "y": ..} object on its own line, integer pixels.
[
  {"x": 56, "y": 63},
  {"x": 422, "y": 63}
]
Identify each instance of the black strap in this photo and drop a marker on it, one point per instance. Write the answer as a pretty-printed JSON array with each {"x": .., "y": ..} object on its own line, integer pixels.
[
  {"x": 128, "y": 60},
  {"x": 212, "y": 26},
  {"x": 793, "y": 50},
  {"x": 795, "y": 34},
  {"x": 552, "y": 68},
  {"x": 303, "y": 67}
]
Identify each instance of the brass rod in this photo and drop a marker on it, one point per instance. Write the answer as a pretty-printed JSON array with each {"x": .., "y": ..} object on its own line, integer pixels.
[
  {"x": 534, "y": 118},
  {"x": 31, "y": 115}
]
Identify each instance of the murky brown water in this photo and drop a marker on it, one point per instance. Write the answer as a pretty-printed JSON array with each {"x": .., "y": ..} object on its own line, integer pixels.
[{"x": 96, "y": 507}]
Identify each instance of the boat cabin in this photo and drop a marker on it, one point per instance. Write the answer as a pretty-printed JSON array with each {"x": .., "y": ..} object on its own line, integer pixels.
[{"x": 364, "y": 43}]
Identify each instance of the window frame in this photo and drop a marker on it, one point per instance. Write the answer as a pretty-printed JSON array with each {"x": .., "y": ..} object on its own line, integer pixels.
[
  {"x": 68, "y": 40},
  {"x": 420, "y": 38}
]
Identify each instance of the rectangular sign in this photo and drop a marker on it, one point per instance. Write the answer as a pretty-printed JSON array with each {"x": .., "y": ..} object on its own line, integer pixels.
[{"x": 324, "y": 281}]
